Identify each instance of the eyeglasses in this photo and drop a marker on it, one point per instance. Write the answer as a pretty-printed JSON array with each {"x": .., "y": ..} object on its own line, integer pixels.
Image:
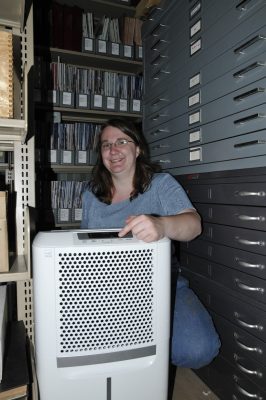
[{"x": 118, "y": 143}]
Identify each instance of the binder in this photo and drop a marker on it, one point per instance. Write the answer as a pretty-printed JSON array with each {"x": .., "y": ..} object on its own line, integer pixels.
[
  {"x": 68, "y": 28},
  {"x": 76, "y": 29},
  {"x": 57, "y": 25}
]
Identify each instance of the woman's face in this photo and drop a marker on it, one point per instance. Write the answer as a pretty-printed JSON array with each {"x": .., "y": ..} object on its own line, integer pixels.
[{"x": 120, "y": 158}]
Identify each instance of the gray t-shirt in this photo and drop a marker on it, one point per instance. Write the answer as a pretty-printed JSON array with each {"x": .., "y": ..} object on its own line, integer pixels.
[{"x": 164, "y": 197}]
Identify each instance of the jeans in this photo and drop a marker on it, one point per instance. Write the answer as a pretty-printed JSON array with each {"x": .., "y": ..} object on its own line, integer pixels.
[{"x": 195, "y": 341}]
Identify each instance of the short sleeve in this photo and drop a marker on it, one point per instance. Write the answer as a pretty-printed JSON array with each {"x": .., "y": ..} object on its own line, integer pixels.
[{"x": 172, "y": 196}]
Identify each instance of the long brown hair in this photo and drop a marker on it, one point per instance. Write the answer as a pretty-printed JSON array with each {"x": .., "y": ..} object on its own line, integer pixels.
[{"x": 101, "y": 183}]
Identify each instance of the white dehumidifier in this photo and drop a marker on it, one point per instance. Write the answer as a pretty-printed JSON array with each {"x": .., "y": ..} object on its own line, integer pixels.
[{"x": 101, "y": 314}]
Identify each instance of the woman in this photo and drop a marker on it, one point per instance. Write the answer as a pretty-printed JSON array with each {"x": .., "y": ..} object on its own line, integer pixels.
[{"x": 126, "y": 191}]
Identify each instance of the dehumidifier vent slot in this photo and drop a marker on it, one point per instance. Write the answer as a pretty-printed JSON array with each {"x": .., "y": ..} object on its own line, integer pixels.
[{"x": 105, "y": 301}]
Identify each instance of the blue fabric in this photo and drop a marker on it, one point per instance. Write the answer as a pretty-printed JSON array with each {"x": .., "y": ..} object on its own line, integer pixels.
[
  {"x": 165, "y": 197},
  {"x": 195, "y": 341}
]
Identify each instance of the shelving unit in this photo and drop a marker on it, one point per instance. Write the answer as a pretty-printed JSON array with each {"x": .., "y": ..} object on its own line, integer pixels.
[
  {"x": 70, "y": 114},
  {"x": 13, "y": 132}
]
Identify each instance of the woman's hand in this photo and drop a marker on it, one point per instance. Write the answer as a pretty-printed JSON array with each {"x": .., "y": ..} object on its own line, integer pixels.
[
  {"x": 144, "y": 227},
  {"x": 183, "y": 227}
]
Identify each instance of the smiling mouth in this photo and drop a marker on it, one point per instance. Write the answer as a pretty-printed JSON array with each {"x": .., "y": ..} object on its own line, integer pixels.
[{"x": 116, "y": 160}]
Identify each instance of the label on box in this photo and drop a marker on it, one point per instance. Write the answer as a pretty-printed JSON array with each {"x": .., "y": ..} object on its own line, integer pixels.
[
  {"x": 115, "y": 49},
  {"x": 52, "y": 96},
  {"x": 123, "y": 104},
  {"x": 98, "y": 100},
  {"x": 82, "y": 157},
  {"x": 136, "y": 105},
  {"x": 83, "y": 100},
  {"x": 67, "y": 98},
  {"x": 63, "y": 214},
  {"x": 110, "y": 103},
  {"x": 67, "y": 156},
  {"x": 53, "y": 156},
  {"x": 140, "y": 52},
  {"x": 88, "y": 44},
  {"x": 77, "y": 214},
  {"x": 101, "y": 46},
  {"x": 127, "y": 51}
]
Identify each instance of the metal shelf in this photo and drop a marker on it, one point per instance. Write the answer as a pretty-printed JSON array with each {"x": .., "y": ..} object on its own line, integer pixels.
[
  {"x": 12, "y": 130},
  {"x": 17, "y": 272},
  {"x": 99, "y": 61}
]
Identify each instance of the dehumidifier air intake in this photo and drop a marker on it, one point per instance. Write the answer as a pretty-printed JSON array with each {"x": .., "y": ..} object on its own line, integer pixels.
[{"x": 101, "y": 313}]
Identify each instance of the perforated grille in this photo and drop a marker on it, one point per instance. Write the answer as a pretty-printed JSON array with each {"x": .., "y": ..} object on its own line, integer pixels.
[{"x": 105, "y": 301}]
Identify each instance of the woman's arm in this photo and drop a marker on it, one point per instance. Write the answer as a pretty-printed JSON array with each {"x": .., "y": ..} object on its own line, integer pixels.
[{"x": 183, "y": 227}]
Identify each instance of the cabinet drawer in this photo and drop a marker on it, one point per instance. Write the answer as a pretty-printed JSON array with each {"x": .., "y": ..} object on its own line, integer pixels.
[
  {"x": 244, "y": 261},
  {"x": 241, "y": 216},
  {"x": 241, "y": 313},
  {"x": 239, "y": 149},
  {"x": 247, "y": 285},
  {"x": 207, "y": 92},
  {"x": 246, "y": 193},
  {"x": 235, "y": 339},
  {"x": 245, "y": 239},
  {"x": 210, "y": 38},
  {"x": 232, "y": 384},
  {"x": 238, "y": 101},
  {"x": 241, "y": 356},
  {"x": 220, "y": 60},
  {"x": 250, "y": 120}
]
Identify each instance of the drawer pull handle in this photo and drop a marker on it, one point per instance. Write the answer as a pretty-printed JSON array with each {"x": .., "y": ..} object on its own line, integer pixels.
[
  {"x": 158, "y": 42},
  {"x": 156, "y": 31},
  {"x": 160, "y": 146},
  {"x": 161, "y": 71},
  {"x": 249, "y": 93},
  {"x": 153, "y": 11},
  {"x": 247, "y": 394},
  {"x": 242, "y": 72},
  {"x": 259, "y": 218},
  {"x": 246, "y": 194},
  {"x": 242, "y": 5},
  {"x": 249, "y": 118},
  {"x": 249, "y": 371},
  {"x": 249, "y": 242},
  {"x": 243, "y": 286},
  {"x": 245, "y": 347},
  {"x": 163, "y": 161},
  {"x": 156, "y": 60},
  {"x": 158, "y": 116},
  {"x": 157, "y": 101},
  {"x": 246, "y": 325},
  {"x": 250, "y": 143},
  {"x": 155, "y": 133},
  {"x": 241, "y": 49},
  {"x": 249, "y": 265}
]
